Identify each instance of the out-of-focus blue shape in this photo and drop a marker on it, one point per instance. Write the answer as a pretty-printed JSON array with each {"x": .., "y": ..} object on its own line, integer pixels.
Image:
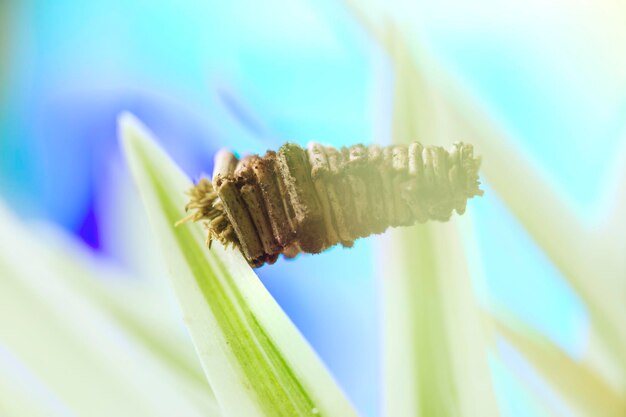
[{"x": 88, "y": 231}]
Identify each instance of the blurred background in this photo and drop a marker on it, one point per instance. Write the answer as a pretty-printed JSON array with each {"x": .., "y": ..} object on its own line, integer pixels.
[{"x": 204, "y": 74}]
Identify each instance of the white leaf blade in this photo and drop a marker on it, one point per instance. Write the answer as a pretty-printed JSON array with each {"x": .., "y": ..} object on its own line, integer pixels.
[
  {"x": 22, "y": 394},
  {"x": 132, "y": 302},
  {"x": 77, "y": 349}
]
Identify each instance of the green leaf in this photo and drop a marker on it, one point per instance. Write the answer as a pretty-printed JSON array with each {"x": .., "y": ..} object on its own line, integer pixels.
[
  {"x": 591, "y": 262},
  {"x": 22, "y": 394},
  {"x": 591, "y": 259},
  {"x": 444, "y": 105},
  {"x": 256, "y": 361},
  {"x": 435, "y": 348},
  {"x": 577, "y": 382},
  {"x": 435, "y": 342}
]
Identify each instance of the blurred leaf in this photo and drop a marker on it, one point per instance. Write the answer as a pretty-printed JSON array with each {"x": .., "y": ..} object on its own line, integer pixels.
[
  {"x": 435, "y": 351},
  {"x": 136, "y": 304},
  {"x": 618, "y": 192},
  {"x": 588, "y": 261},
  {"x": 435, "y": 347},
  {"x": 254, "y": 358},
  {"x": 73, "y": 351},
  {"x": 25, "y": 395},
  {"x": 518, "y": 397},
  {"x": 443, "y": 107},
  {"x": 577, "y": 382}
]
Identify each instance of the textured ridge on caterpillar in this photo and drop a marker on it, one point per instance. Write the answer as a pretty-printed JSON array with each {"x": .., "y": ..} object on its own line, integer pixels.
[{"x": 298, "y": 200}]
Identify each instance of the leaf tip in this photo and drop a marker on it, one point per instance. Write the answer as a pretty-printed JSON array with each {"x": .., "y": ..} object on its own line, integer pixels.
[{"x": 130, "y": 128}]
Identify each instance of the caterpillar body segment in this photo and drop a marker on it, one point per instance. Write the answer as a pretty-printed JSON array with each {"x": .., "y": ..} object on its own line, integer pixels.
[{"x": 307, "y": 200}]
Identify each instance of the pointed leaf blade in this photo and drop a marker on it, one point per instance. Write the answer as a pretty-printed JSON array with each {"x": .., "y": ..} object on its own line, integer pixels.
[{"x": 256, "y": 361}]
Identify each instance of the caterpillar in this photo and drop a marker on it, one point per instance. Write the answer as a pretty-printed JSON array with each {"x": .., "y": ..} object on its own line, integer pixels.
[{"x": 307, "y": 200}]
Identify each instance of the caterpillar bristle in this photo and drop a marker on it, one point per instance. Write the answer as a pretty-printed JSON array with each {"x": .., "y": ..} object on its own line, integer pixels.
[{"x": 307, "y": 200}]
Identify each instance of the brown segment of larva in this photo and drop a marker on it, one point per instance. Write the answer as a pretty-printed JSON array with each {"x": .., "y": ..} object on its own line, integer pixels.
[{"x": 307, "y": 200}]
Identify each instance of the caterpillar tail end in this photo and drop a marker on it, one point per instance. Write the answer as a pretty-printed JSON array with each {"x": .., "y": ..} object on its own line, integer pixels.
[{"x": 204, "y": 204}]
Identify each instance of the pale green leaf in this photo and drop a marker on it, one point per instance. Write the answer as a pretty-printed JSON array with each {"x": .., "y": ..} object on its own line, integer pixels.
[
  {"x": 577, "y": 382},
  {"x": 435, "y": 345},
  {"x": 75, "y": 348},
  {"x": 617, "y": 193},
  {"x": 519, "y": 399},
  {"x": 589, "y": 261},
  {"x": 592, "y": 262},
  {"x": 22, "y": 394},
  {"x": 136, "y": 304},
  {"x": 256, "y": 361}
]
